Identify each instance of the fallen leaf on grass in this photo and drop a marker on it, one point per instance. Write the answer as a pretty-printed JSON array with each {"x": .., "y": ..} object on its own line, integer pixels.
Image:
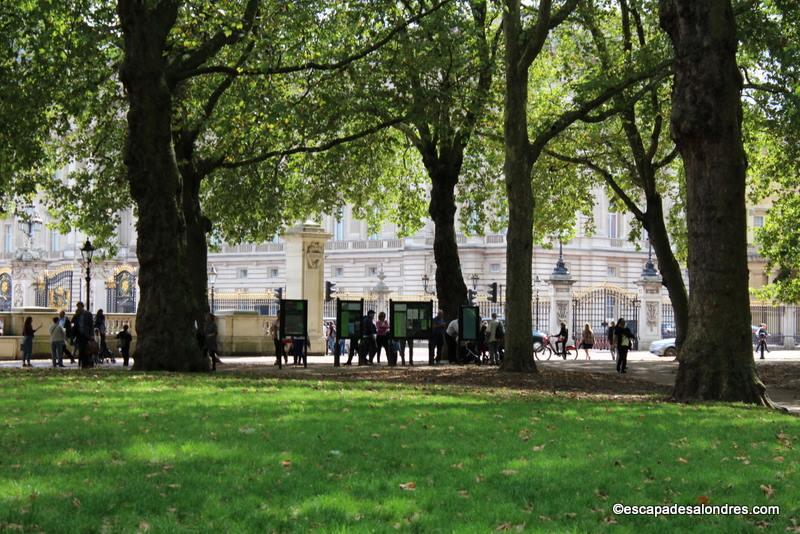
[
  {"x": 479, "y": 478},
  {"x": 702, "y": 499},
  {"x": 409, "y": 486},
  {"x": 795, "y": 527},
  {"x": 463, "y": 493},
  {"x": 509, "y": 472},
  {"x": 457, "y": 466},
  {"x": 76, "y": 502},
  {"x": 778, "y": 458},
  {"x": 768, "y": 490},
  {"x": 609, "y": 520},
  {"x": 144, "y": 526},
  {"x": 682, "y": 460},
  {"x": 286, "y": 463},
  {"x": 538, "y": 448}
]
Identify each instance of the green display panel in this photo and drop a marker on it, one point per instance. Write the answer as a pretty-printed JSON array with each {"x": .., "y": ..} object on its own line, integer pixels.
[
  {"x": 348, "y": 318},
  {"x": 294, "y": 318},
  {"x": 469, "y": 323},
  {"x": 411, "y": 320}
]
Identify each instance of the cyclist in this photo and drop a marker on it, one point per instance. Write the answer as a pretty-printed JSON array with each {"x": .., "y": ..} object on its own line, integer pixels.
[{"x": 762, "y": 339}]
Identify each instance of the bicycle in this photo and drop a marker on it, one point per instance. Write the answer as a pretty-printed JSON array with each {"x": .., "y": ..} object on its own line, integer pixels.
[{"x": 543, "y": 349}]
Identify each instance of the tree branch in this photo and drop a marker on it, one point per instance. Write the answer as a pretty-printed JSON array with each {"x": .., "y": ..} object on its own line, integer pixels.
[
  {"x": 311, "y": 149},
  {"x": 606, "y": 175},
  {"x": 535, "y": 37},
  {"x": 313, "y": 65},
  {"x": 178, "y": 69}
]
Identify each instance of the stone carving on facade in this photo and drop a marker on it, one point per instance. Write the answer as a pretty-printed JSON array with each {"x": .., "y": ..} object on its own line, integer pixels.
[
  {"x": 652, "y": 314},
  {"x": 561, "y": 310},
  {"x": 314, "y": 254}
]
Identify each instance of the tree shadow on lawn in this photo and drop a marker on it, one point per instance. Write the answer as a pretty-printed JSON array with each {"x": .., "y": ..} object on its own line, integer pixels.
[{"x": 192, "y": 452}]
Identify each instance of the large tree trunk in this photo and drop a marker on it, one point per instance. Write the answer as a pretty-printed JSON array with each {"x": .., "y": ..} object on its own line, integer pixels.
[
  {"x": 668, "y": 265},
  {"x": 450, "y": 288},
  {"x": 197, "y": 228},
  {"x": 717, "y": 358},
  {"x": 164, "y": 317},
  {"x": 517, "y": 169}
]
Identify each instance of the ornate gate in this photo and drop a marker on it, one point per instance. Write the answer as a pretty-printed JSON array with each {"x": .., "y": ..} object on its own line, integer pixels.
[
  {"x": 55, "y": 291},
  {"x": 5, "y": 292},
  {"x": 121, "y": 294},
  {"x": 600, "y": 305}
]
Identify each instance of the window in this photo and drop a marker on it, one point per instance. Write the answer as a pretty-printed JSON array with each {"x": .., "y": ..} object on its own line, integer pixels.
[
  {"x": 338, "y": 231},
  {"x": 758, "y": 221},
  {"x": 372, "y": 270},
  {"x": 613, "y": 225},
  {"x": 55, "y": 240},
  {"x": 8, "y": 239},
  {"x": 273, "y": 272},
  {"x": 338, "y": 272},
  {"x": 612, "y": 271},
  {"x": 241, "y": 273},
  {"x": 495, "y": 268}
]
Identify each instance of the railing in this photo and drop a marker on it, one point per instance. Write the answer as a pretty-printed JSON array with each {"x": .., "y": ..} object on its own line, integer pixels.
[
  {"x": 364, "y": 244},
  {"x": 245, "y": 302}
]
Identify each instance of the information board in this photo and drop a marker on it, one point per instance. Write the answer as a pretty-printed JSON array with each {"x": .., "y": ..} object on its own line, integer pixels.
[
  {"x": 411, "y": 320},
  {"x": 469, "y": 322},
  {"x": 294, "y": 318},
  {"x": 348, "y": 318}
]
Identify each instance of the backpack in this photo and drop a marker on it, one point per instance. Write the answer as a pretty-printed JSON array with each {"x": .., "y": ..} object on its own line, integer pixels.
[{"x": 499, "y": 332}]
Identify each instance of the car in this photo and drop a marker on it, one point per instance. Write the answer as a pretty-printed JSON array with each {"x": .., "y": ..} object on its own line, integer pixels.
[
  {"x": 539, "y": 340},
  {"x": 664, "y": 347}
]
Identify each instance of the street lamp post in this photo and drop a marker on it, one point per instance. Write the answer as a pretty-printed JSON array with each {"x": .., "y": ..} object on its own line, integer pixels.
[
  {"x": 536, "y": 282},
  {"x": 475, "y": 277},
  {"x": 87, "y": 251},
  {"x": 212, "y": 279}
]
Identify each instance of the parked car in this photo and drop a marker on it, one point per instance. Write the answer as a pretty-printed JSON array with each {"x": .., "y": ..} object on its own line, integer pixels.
[
  {"x": 539, "y": 340},
  {"x": 664, "y": 347}
]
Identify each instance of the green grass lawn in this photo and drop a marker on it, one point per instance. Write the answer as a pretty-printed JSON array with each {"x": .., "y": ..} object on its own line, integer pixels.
[{"x": 114, "y": 452}]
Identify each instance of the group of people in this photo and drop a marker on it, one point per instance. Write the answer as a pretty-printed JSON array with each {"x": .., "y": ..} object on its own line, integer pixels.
[
  {"x": 620, "y": 341},
  {"x": 84, "y": 332}
]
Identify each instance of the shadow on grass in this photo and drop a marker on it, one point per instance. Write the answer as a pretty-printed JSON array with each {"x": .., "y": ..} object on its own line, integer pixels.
[{"x": 115, "y": 452}]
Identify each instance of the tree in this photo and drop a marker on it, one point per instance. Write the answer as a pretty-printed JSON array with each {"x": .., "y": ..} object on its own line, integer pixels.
[
  {"x": 639, "y": 170},
  {"x": 717, "y": 358},
  {"x": 525, "y": 38}
]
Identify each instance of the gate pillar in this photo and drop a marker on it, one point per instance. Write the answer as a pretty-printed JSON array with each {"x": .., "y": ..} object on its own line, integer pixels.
[
  {"x": 650, "y": 310},
  {"x": 560, "y": 301},
  {"x": 305, "y": 269}
]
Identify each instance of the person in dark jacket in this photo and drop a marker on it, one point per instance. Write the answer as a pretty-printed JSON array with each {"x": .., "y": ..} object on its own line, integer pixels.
[
  {"x": 563, "y": 336},
  {"x": 100, "y": 326},
  {"x": 83, "y": 329},
  {"x": 624, "y": 339},
  {"x": 27, "y": 341},
  {"x": 125, "y": 338},
  {"x": 438, "y": 335},
  {"x": 612, "y": 343},
  {"x": 369, "y": 335},
  {"x": 211, "y": 340}
]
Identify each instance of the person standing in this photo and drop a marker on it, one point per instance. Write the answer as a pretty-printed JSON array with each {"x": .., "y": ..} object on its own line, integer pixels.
[
  {"x": 587, "y": 339},
  {"x": 612, "y": 343},
  {"x": 275, "y": 333},
  {"x": 27, "y": 341},
  {"x": 330, "y": 335},
  {"x": 369, "y": 334},
  {"x": 124, "y": 337},
  {"x": 624, "y": 338},
  {"x": 452, "y": 341},
  {"x": 761, "y": 335},
  {"x": 57, "y": 337},
  {"x": 100, "y": 325},
  {"x": 438, "y": 335},
  {"x": 82, "y": 323},
  {"x": 382, "y": 339},
  {"x": 492, "y": 331},
  {"x": 65, "y": 323},
  {"x": 211, "y": 340}
]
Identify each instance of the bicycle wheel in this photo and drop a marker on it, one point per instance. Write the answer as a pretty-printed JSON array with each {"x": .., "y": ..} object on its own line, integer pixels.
[
  {"x": 543, "y": 354},
  {"x": 573, "y": 352}
]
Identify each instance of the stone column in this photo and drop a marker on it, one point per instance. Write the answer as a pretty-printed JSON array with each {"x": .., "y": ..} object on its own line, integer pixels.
[
  {"x": 788, "y": 327},
  {"x": 561, "y": 302},
  {"x": 561, "y": 296},
  {"x": 649, "y": 309},
  {"x": 305, "y": 275}
]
